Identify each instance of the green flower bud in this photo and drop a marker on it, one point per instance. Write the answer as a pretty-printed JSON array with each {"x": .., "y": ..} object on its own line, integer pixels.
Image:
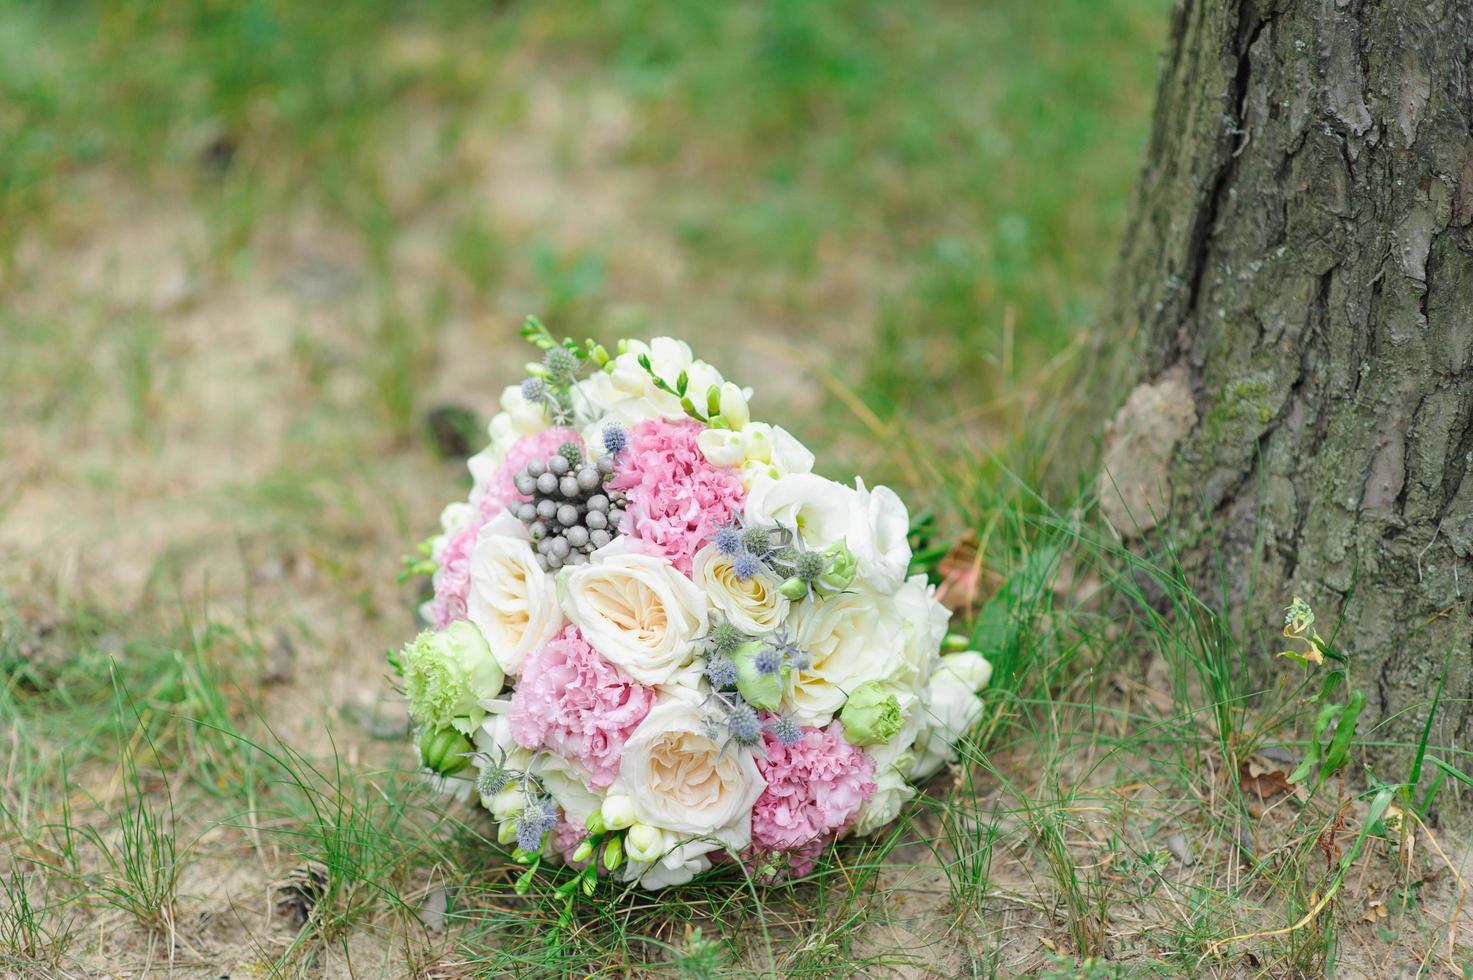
[
  {"x": 595, "y": 823},
  {"x": 763, "y": 691},
  {"x": 590, "y": 885},
  {"x": 584, "y": 850},
  {"x": 444, "y": 750},
  {"x": 955, "y": 643},
  {"x": 871, "y": 715},
  {"x": 614, "y": 853},
  {"x": 506, "y": 832},
  {"x": 842, "y": 567},
  {"x": 794, "y": 588}
]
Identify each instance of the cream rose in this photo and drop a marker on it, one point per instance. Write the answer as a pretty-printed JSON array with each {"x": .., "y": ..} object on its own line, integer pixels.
[
  {"x": 754, "y": 605},
  {"x": 636, "y": 610},
  {"x": 681, "y": 780},
  {"x": 512, "y": 601},
  {"x": 850, "y": 638}
]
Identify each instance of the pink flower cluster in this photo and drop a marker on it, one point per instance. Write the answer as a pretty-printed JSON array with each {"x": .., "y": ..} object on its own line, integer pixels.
[
  {"x": 453, "y": 581},
  {"x": 814, "y": 789},
  {"x": 574, "y": 702},
  {"x": 676, "y": 498}
]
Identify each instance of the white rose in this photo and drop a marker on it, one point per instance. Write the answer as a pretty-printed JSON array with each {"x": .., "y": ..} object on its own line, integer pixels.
[
  {"x": 754, "y": 606},
  {"x": 951, "y": 707},
  {"x": 850, "y": 638},
  {"x": 681, "y": 780},
  {"x": 636, "y": 610},
  {"x": 820, "y": 510},
  {"x": 877, "y": 536},
  {"x": 511, "y": 599}
]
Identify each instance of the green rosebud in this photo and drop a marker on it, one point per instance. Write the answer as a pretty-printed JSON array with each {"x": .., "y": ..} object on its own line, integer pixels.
[
  {"x": 444, "y": 750},
  {"x": 842, "y": 567},
  {"x": 794, "y": 588},
  {"x": 760, "y": 690},
  {"x": 614, "y": 853},
  {"x": 871, "y": 715}
]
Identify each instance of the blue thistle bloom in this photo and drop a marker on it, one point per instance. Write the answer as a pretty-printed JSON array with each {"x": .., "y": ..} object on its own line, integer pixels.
[
  {"x": 534, "y": 822},
  {"x": 729, "y": 540},
  {"x": 786, "y": 730},
  {"x": 746, "y": 565},
  {"x": 533, "y": 389},
  {"x": 767, "y": 661},
  {"x": 492, "y": 779},
  {"x": 616, "y": 440},
  {"x": 721, "y": 672},
  {"x": 744, "y": 725}
]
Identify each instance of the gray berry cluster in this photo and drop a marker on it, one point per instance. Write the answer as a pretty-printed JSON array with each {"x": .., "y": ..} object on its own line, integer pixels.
[{"x": 571, "y": 513}]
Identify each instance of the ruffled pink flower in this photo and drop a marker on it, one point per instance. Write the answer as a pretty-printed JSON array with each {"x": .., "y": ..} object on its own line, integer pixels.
[
  {"x": 566, "y": 837},
  {"x": 453, "y": 579},
  {"x": 814, "y": 789},
  {"x": 575, "y": 703},
  {"x": 677, "y": 499}
]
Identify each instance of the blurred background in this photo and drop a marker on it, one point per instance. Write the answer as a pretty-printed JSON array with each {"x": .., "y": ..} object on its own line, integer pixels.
[{"x": 263, "y": 265}]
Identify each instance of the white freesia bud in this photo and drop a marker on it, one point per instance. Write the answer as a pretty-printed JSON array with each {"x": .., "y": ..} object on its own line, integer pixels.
[
  {"x": 508, "y": 803},
  {"x": 758, "y": 439},
  {"x": 722, "y": 447},
  {"x": 970, "y": 667},
  {"x": 618, "y": 811},
  {"x": 644, "y": 843},
  {"x": 734, "y": 406}
]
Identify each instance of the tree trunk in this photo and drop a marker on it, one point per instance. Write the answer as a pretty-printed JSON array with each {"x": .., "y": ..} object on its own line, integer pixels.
[{"x": 1296, "y": 298}]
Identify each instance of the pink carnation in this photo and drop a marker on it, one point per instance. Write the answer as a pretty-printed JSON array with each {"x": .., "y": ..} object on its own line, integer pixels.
[
  {"x": 676, "y": 498},
  {"x": 574, "y": 702},
  {"x": 566, "y": 837},
  {"x": 814, "y": 789},
  {"x": 453, "y": 580}
]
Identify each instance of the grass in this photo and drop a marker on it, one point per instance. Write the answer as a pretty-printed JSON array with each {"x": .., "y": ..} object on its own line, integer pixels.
[{"x": 249, "y": 248}]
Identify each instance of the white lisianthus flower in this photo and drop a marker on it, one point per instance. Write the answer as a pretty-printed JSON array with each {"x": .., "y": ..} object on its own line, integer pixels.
[
  {"x": 893, "y": 761},
  {"x": 878, "y": 536},
  {"x": 951, "y": 707},
  {"x": 925, "y": 622},
  {"x": 820, "y": 510},
  {"x": 517, "y": 418},
  {"x": 512, "y": 600},
  {"x": 454, "y": 518},
  {"x": 753, "y": 605},
  {"x": 970, "y": 667},
  {"x": 850, "y": 638},
  {"x": 636, "y": 610},
  {"x": 681, "y": 780}
]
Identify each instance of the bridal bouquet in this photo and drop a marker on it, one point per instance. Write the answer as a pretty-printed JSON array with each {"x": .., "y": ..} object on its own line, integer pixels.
[{"x": 658, "y": 640}]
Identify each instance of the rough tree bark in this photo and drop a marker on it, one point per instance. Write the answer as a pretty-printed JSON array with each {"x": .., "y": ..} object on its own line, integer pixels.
[{"x": 1296, "y": 290}]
